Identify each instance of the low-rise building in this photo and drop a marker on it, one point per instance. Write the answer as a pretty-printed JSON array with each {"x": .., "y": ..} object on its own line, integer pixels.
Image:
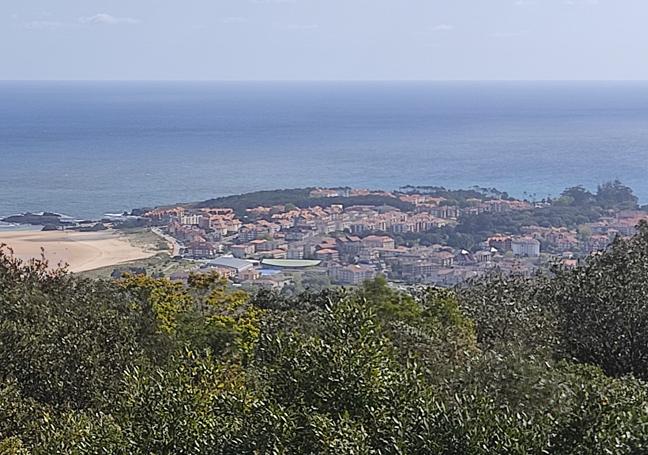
[
  {"x": 191, "y": 219},
  {"x": 500, "y": 242},
  {"x": 232, "y": 263},
  {"x": 201, "y": 250},
  {"x": 242, "y": 251},
  {"x": 378, "y": 241},
  {"x": 295, "y": 252},
  {"x": 248, "y": 274},
  {"x": 327, "y": 255},
  {"x": 525, "y": 246},
  {"x": 483, "y": 256},
  {"x": 274, "y": 254},
  {"x": 442, "y": 258},
  {"x": 351, "y": 274}
]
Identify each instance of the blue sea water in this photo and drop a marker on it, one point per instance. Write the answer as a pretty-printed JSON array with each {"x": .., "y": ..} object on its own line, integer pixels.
[{"x": 89, "y": 148}]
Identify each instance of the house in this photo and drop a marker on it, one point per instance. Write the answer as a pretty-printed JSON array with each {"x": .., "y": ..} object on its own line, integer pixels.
[
  {"x": 323, "y": 192},
  {"x": 597, "y": 243},
  {"x": 452, "y": 277},
  {"x": 248, "y": 274},
  {"x": 525, "y": 246},
  {"x": 248, "y": 233},
  {"x": 348, "y": 244},
  {"x": 274, "y": 254},
  {"x": 390, "y": 253},
  {"x": 359, "y": 227},
  {"x": 268, "y": 245},
  {"x": 569, "y": 263},
  {"x": 368, "y": 254},
  {"x": 190, "y": 219},
  {"x": 416, "y": 270},
  {"x": 483, "y": 256},
  {"x": 351, "y": 274},
  {"x": 327, "y": 254},
  {"x": 464, "y": 257},
  {"x": 242, "y": 251},
  {"x": 295, "y": 252},
  {"x": 259, "y": 245},
  {"x": 378, "y": 241},
  {"x": 327, "y": 243},
  {"x": 295, "y": 235},
  {"x": 445, "y": 212},
  {"x": 223, "y": 271},
  {"x": 201, "y": 250},
  {"x": 442, "y": 258},
  {"x": 500, "y": 242}
]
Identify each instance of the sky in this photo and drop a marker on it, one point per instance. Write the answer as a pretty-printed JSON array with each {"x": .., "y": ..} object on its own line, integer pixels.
[{"x": 323, "y": 39}]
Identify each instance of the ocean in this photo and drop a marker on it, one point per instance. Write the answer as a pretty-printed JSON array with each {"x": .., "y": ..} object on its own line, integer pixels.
[{"x": 89, "y": 148}]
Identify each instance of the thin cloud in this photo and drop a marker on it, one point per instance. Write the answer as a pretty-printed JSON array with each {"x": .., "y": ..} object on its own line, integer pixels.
[
  {"x": 302, "y": 27},
  {"x": 107, "y": 19},
  {"x": 443, "y": 28},
  {"x": 44, "y": 25},
  {"x": 272, "y": 1},
  {"x": 509, "y": 34},
  {"x": 581, "y": 2},
  {"x": 234, "y": 20},
  {"x": 525, "y": 2}
]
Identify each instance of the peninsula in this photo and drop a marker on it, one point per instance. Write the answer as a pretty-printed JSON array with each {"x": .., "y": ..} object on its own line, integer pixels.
[{"x": 315, "y": 237}]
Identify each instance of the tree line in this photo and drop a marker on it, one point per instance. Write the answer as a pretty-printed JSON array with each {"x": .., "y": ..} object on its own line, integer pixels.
[
  {"x": 553, "y": 364},
  {"x": 574, "y": 207}
]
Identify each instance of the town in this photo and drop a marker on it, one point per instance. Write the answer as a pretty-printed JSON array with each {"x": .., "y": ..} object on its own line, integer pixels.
[{"x": 331, "y": 242}]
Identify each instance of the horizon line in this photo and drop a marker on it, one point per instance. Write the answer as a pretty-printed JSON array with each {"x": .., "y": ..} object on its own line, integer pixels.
[{"x": 323, "y": 80}]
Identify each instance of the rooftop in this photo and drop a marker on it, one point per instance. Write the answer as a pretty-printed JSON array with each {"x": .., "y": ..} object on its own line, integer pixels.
[
  {"x": 231, "y": 262},
  {"x": 358, "y": 268},
  {"x": 290, "y": 263}
]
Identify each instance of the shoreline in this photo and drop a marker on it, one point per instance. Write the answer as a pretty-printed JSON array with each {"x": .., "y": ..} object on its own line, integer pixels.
[
  {"x": 16, "y": 227},
  {"x": 71, "y": 222},
  {"x": 81, "y": 251}
]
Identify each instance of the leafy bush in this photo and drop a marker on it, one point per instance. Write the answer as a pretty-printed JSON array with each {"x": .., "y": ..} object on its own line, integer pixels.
[{"x": 553, "y": 364}]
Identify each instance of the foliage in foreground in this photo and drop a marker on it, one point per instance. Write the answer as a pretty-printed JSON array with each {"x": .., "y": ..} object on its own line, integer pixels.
[{"x": 549, "y": 365}]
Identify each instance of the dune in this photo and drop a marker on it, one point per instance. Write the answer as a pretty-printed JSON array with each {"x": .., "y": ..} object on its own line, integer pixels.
[{"x": 81, "y": 251}]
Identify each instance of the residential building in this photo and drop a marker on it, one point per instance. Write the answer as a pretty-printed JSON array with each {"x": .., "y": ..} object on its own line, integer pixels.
[
  {"x": 327, "y": 255},
  {"x": 242, "y": 251},
  {"x": 192, "y": 219},
  {"x": 201, "y": 250},
  {"x": 351, "y": 274},
  {"x": 525, "y": 246},
  {"x": 378, "y": 241}
]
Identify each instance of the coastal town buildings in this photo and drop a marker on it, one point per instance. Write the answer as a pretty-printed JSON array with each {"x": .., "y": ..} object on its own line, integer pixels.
[
  {"x": 352, "y": 243},
  {"x": 525, "y": 246},
  {"x": 351, "y": 274}
]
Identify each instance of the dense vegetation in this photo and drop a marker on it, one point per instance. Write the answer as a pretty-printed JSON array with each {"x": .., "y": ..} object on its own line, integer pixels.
[
  {"x": 459, "y": 197},
  {"x": 575, "y": 206},
  {"x": 299, "y": 198},
  {"x": 554, "y": 364}
]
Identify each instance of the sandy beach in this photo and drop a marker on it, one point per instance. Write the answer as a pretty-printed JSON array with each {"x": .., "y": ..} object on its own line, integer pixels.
[{"x": 82, "y": 251}]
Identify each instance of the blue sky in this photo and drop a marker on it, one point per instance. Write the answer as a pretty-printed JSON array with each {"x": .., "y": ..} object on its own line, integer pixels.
[{"x": 324, "y": 39}]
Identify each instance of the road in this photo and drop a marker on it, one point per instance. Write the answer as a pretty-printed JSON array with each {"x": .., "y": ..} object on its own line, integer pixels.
[{"x": 175, "y": 246}]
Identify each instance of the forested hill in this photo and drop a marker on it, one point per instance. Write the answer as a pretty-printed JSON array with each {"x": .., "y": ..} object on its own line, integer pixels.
[
  {"x": 300, "y": 197},
  {"x": 554, "y": 364}
]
